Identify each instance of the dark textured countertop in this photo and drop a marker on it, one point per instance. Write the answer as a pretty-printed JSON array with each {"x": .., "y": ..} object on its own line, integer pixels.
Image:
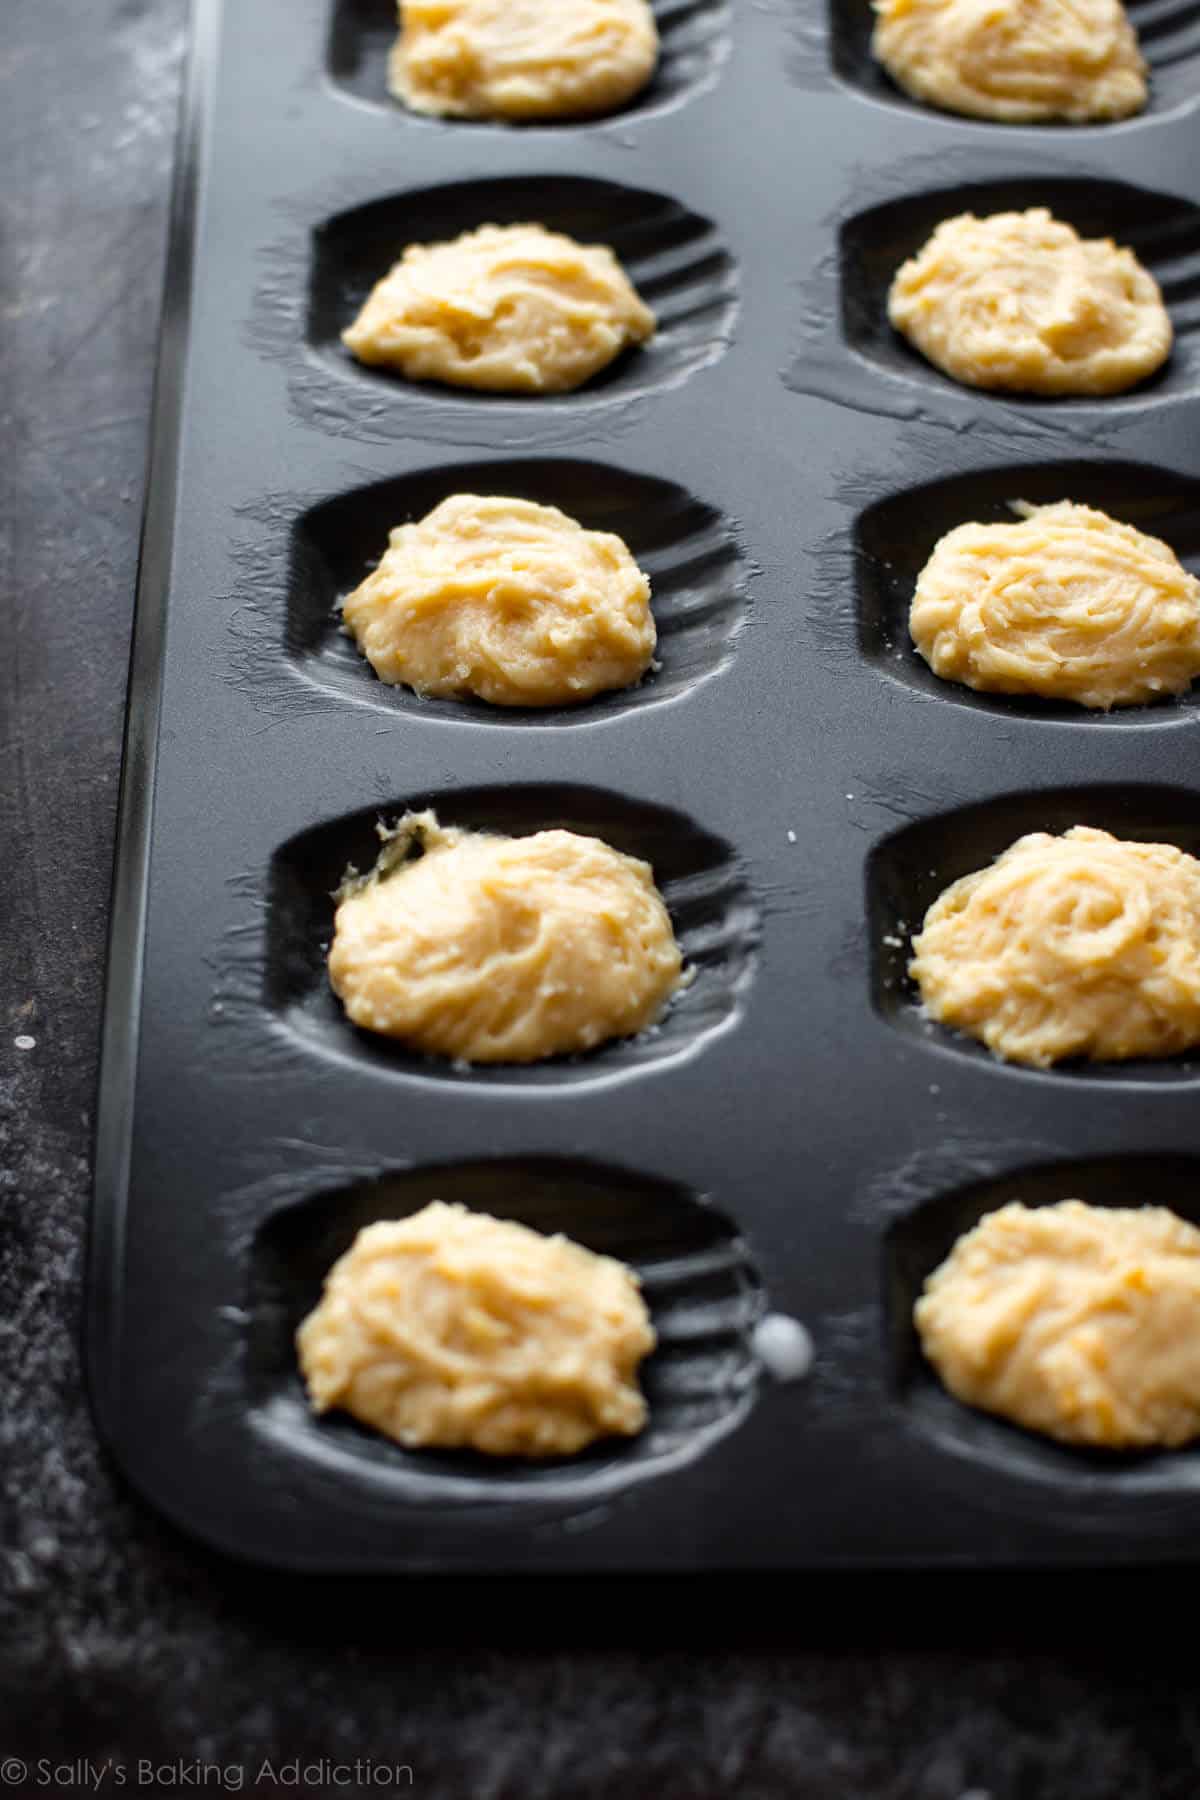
[{"x": 118, "y": 1639}]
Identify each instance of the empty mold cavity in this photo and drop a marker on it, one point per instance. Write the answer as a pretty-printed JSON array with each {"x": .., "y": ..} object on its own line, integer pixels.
[
  {"x": 907, "y": 872},
  {"x": 695, "y": 38},
  {"x": 714, "y": 917},
  {"x": 1169, "y": 32},
  {"x": 700, "y": 1285},
  {"x": 894, "y": 539},
  {"x": 697, "y": 576},
  {"x": 1162, "y": 230},
  {"x": 919, "y": 1242},
  {"x": 673, "y": 257}
]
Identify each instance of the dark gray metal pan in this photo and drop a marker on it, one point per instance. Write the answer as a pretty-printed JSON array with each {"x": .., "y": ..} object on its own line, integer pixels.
[{"x": 795, "y": 1137}]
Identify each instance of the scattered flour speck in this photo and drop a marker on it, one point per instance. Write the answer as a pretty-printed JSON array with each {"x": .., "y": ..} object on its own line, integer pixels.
[{"x": 784, "y": 1346}]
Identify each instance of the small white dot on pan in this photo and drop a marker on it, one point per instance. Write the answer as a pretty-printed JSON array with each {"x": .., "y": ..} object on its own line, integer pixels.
[
  {"x": 24, "y": 1042},
  {"x": 791, "y": 837},
  {"x": 784, "y": 1346}
]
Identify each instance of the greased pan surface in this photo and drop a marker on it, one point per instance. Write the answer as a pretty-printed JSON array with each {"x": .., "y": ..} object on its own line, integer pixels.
[{"x": 794, "y": 1138}]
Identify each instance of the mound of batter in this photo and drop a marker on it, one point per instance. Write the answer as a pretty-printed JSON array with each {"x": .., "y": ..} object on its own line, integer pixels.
[
  {"x": 1078, "y": 1321},
  {"x": 508, "y": 308},
  {"x": 522, "y": 59},
  {"x": 497, "y": 949},
  {"x": 1080, "y": 945},
  {"x": 453, "y": 1329},
  {"x": 1068, "y": 604},
  {"x": 1020, "y": 302},
  {"x": 504, "y": 599},
  {"x": 1014, "y": 60}
]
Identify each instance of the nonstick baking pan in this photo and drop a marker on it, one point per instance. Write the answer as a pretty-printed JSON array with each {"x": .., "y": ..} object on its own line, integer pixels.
[{"x": 796, "y": 1138}]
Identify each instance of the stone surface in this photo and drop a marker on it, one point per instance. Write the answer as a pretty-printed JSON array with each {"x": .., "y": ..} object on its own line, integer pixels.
[{"x": 117, "y": 1637}]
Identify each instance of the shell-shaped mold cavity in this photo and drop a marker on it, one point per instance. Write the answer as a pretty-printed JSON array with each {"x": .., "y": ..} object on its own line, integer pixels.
[
  {"x": 712, "y": 911},
  {"x": 908, "y": 870},
  {"x": 695, "y": 36},
  {"x": 674, "y": 258},
  {"x": 894, "y": 539},
  {"x": 699, "y": 1282},
  {"x": 1162, "y": 230},
  {"x": 920, "y": 1241},
  {"x": 697, "y": 573},
  {"x": 1169, "y": 35}
]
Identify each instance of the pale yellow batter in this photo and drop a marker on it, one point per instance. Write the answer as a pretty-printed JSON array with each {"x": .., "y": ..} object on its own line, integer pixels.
[
  {"x": 507, "y": 600},
  {"x": 1082, "y": 1322},
  {"x": 453, "y": 1329},
  {"x": 508, "y": 308},
  {"x": 1014, "y": 60},
  {"x": 1068, "y": 604},
  {"x": 522, "y": 59},
  {"x": 1080, "y": 945},
  {"x": 496, "y": 949},
  {"x": 1019, "y": 301}
]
